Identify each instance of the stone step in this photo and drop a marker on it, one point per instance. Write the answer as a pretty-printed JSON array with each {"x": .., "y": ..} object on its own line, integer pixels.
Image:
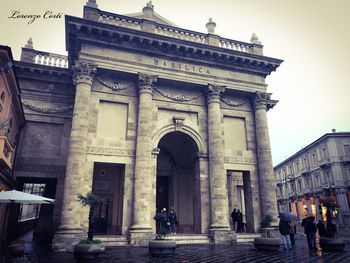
[
  {"x": 247, "y": 237},
  {"x": 113, "y": 241},
  {"x": 184, "y": 239}
]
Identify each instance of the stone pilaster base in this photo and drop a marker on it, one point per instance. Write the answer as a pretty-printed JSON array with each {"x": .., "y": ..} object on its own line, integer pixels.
[
  {"x": 140, "y": 237},
  {"x": 270, "y": 232},
  {"x": 64, "y": 240},
  {"x": 222, "y": 237}
]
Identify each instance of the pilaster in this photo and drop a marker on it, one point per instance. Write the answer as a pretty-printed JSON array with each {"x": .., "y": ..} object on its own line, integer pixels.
[{"x": 70, "y": 231}]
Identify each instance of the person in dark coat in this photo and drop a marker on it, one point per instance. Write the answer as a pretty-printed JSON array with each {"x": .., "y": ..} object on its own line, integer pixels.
[
  {"x": 310, "y": 230},
  {"x": 173, "y": 221},
  {"x": 239, "y": 221},
  {"x": 163, "y": 222},
  {"x": 321, "y": 229},
  {"x": 234, "y": 217},
  {"x": 284, "y": 228}
]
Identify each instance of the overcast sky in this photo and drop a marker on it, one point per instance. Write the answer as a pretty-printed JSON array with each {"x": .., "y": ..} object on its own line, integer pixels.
[{"x": 311, "y": 36}]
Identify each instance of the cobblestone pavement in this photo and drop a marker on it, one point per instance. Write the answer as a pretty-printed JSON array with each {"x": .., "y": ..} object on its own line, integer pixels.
[{"x": 203, "y": 254}]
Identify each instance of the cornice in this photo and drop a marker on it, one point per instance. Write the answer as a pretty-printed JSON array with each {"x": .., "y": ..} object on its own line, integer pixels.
[
  {"x": 79, "y": 30},
  {"x": 56, "y": 74}
]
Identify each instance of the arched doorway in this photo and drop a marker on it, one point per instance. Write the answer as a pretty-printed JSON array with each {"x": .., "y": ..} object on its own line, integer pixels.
[{"x": 177, "y": 179}]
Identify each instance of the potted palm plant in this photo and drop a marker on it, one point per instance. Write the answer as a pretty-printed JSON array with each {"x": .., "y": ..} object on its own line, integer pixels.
[{"x": 89, "y": 247}]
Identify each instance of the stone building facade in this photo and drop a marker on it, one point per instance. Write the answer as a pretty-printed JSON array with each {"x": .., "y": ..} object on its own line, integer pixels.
[
  {"x": 11, "y": 121},
  {"x": 318, "y": 172},
  {"x": 156, "y": 116}
]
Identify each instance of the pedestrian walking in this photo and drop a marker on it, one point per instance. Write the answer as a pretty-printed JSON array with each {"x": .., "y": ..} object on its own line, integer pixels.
[
  {"x": 234, "y": 219},
  {"x": 310, "y": 230},
  {"x": 163, "y": 222},
  {"x": 284, "y": 227},
  {"x": 173, "y": 221},
  {"x": 239, "y": 221}
]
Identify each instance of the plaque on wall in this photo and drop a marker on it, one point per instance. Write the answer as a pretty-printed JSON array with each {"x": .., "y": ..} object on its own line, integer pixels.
[{"x": 101, "y": 185}]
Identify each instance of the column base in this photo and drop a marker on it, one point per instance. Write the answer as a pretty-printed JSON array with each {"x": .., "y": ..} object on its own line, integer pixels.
[
  {"x": 65, "y": 239},
  {"x": 222, "y": 236},
  {"x": 140, "y": 236}
]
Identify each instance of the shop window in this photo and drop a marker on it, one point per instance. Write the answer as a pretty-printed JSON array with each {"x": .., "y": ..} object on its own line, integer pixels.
[{"x": 346, "y": 149}]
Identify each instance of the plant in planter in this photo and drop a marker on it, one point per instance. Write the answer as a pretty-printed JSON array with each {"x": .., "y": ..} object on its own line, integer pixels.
[
  {"x": 89, "y": 247},
  {"x": 267, "y": 242},
  {"x": 328, "y": 239}
]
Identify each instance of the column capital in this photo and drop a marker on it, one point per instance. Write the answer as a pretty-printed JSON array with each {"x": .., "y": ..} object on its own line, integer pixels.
[
  {"x": 262, "y": 100},
  {"x": 83, "y": 72},
  {"x": 147, "y": 82},
  {"x": 214, "y": 92}
]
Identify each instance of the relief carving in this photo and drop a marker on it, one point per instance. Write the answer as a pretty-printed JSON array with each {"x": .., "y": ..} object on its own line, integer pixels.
[
  {"x": 116, "y": 85},
  {"x": 177, "y": 97},
  {"x": 240, "y": 160},
  {"x": 110, "y": 151},
  {"x": 147, "y": 82},
  {"x": 43, "y": 109}
]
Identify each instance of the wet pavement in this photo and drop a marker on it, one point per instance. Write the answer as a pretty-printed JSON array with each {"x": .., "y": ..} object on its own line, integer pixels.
[{"x": 198, "y": 253}]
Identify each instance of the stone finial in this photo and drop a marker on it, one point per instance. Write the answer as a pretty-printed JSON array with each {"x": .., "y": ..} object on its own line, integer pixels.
[
  {"x": 29, "y": 43},
  {"x": 254, "y": 39},
  {"x": 148, "y": 10},
  {"x": 91, "y": 3},
  {"x": 210, "y": 26}
]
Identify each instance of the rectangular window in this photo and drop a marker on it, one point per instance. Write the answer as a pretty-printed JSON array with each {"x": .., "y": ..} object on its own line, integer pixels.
[
  {"x": 314, "y": 161},
  {"x": 346, "y": 149},
  {"x": 297, "y": 166},
  {"x": 29, "y": 211}
]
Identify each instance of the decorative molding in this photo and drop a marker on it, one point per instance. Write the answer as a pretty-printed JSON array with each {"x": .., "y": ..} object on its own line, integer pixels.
[
  {"x": 178, "y": 122},
  {"x": 110, "y": 151},
  {"x": 116, "y": 85},
  {"x": 263, "y": 100},
  {"x": 232, "y": 103},
  {"x": 177, "y": 97},
  {"x": 83, "y": 72},
  {"x": 214, "y": 92},
  {"x": 47, "y": 109},
  {"x": 147, "y": 82},
  {"x": 240, "y": 160},
  {"x": 24, "y": 166}
]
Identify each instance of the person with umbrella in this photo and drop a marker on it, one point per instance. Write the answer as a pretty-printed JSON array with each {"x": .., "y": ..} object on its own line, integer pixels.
[
  {"x": 284, "y": 228},
  {"x": 310, "y": 230}
]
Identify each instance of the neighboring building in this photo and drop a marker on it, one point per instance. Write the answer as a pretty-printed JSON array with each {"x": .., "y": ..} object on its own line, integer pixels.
[
  {"x": 156, "y": 116},
  {"x": 318, "y": 171},
  {"x": 11, "y": 120}
]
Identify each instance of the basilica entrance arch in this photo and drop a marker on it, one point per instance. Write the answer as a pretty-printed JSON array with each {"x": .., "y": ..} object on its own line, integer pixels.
[{"x": 176, "y": 181}]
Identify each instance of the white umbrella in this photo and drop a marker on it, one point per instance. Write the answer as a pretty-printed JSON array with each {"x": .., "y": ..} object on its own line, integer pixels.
[{"x": 14, "y": 196}]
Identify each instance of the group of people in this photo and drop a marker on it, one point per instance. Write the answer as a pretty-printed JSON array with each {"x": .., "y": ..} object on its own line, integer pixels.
[
  {"x": 237, "y": 221},
  {"x": 166, "y": 221},
  {"x": 287, "y": 228}
]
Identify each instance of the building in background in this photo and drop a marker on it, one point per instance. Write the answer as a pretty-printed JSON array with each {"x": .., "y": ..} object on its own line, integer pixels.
[
  {"x": 11, "y": 121},
  {"x": 318, "y": 172},
  {"x": 147, "y": 115}
]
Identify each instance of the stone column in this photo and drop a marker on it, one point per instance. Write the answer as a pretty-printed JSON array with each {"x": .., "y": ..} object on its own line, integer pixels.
[
  {"x": 308, "y": 206},
  {"x": 219, "y": 225},
  {"x": 70, "y": 231},
  {"x": 141, "y": 230},
  {"x": 317, "y": 205},
  {"x": 342, "y": 201},
  {"x": 268, "y": 197}
]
